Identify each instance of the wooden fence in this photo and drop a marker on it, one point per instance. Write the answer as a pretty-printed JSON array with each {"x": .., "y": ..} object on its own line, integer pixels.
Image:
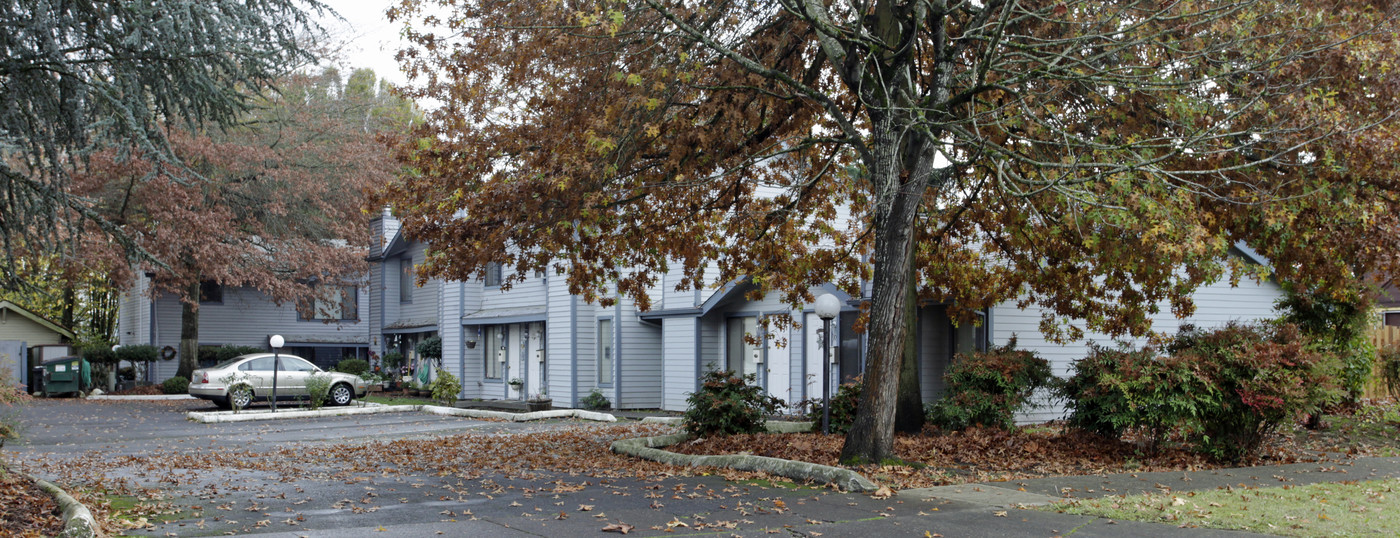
[{"x": 1383, "y": 337}]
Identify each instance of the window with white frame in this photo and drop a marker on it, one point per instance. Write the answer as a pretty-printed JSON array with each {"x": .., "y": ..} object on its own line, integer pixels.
[
  {"x": 406, "y": 280},
  {"x": 605, "y": 351},
  {"x": 332, "y": 303}
]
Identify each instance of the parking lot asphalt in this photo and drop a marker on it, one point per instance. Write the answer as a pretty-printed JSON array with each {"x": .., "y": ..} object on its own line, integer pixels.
[{"x": 258, "y": 501}]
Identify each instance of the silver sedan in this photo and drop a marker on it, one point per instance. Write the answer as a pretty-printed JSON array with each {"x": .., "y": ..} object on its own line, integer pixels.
[{"x": 242, "y": 380}]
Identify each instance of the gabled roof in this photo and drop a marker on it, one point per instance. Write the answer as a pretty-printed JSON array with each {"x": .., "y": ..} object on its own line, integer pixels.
[{"x": 6, "y": 305}]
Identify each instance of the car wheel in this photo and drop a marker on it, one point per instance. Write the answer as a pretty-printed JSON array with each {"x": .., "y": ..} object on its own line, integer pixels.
[
  {"x": 341, "y": 395},
  {"x": 240, "y": 397}
]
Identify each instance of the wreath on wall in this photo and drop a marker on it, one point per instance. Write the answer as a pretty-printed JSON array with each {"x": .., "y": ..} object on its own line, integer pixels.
[{"x": 167, "y": 352}]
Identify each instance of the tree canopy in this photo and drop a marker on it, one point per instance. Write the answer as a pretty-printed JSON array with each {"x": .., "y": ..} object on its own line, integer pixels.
[
  {"x": 77, "y": 78},
  {"x": 1093, "y": 158}
]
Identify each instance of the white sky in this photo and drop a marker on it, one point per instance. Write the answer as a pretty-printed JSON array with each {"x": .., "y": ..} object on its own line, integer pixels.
[{"x": 367, "y": 37}]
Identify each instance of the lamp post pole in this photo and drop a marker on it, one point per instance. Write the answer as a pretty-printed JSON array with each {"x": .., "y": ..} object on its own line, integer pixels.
[
  {"x": 828, "y": 306},
  {"x": 276, "y": 342}
]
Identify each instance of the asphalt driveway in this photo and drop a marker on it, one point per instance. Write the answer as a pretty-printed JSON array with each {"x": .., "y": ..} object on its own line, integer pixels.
[{"x": 140, "y": 446}]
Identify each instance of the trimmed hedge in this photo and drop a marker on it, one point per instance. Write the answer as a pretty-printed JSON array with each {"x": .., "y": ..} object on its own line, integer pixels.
[{"x": 987, "y": 388}]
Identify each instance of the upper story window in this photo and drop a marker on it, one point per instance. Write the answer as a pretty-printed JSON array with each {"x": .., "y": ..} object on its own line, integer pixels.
[
  {"x": 493, "y": 274},
  {"x": 406, "y": 280},
  {"x": 211, "y": 292},
  {"x": 333, "y": 303}
]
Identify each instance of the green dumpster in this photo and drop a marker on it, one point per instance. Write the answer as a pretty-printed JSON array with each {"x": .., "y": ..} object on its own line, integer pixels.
[{"x": 66, "y": 375}]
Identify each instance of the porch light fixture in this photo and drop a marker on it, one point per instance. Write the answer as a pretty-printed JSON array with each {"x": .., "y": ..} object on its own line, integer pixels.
[
  {"x": 276, "y": 342},
  {"x": 828, "y": 306}
]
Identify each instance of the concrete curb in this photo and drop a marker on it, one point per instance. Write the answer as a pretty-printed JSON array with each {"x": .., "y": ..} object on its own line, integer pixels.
[
  {"x": 77, "y": 519},
  {"x": 519, "y": 417},
  {"x": 648, "y": 448},
  {"x": 143, "y": 397},
  {"x": 215, "y": 417}
]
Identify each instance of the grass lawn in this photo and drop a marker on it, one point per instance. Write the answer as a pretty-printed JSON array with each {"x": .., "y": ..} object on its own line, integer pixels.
[
  {"x": 397, "y": 400},
  {"x": 1329, "y": 509}
]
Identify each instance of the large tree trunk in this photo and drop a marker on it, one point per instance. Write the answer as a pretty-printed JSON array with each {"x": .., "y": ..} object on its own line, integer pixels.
[
  {"x": 909, "y": 406},
  {"x": 898, "y": 191},
  {"x": 189, "y": 332}
]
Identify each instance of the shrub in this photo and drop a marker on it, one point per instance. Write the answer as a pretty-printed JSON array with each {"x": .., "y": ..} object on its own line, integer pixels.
[
  {"x": 176, "y": 385},
  {"x": 843, "y": 408},
  {"x": 1390, "y": 369},
  {"x": 1337, "y": 326},
  {"x": 318, "y": 388},
  {"x": 1112, "y": 390},
  {"x": 987, "y": 388},
  {"x": 430, "y": 348},
  {"x": 99, "y": 353},
  {"x": 392, "y": 361},
  {"x": 1258, "y": 376},
  {"x": 446, "y": 387},
  {"x": 141, "y": 353},
  {"x": 595, "y": 401},
  {"x": 727, "y": 404},
  {"x": 353, "y": 366},
  {"x": 223, "y": 353}
]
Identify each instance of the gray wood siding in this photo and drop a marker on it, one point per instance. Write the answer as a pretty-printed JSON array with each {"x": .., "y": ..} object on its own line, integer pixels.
[
  {"x": 935, "y": 341},
  {"x": 134, "y": 315},
  {"x": 559, "y": 337},
  {"x": 426, "y": 305},
  {"x": 639, "y": 361},
  {"x": 1216, "y": 304},
  {"x": 678, "y": 346}
]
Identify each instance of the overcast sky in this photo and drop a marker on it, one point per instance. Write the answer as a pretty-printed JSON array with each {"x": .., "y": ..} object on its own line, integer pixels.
[{"x": 370, "y": 40}]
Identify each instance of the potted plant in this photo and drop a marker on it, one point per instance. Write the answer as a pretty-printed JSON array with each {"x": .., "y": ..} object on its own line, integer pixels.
[
  {"x": 516, "y": 383},
  {"x": 540, "y": 401},
  {"x": 392, "y": 362}
]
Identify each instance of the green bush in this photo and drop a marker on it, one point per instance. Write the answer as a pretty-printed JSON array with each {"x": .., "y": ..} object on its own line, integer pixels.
[
  {"x": 445, "y": 387},
  {"x": 727, "y": 404},
  {"x": 210, "y": 356},
  {"x": 141, "y": 353},
  {"x": 1337, "y": 326},
  {"x": 1112, "y": 390},
  {"x": 1390, "y": 369},
  {"x": 99, "y": 353},
  {"x": 353, "y": 366},
  {"x": 430, "y": 348},
  {"x": 843, "y": 408},
  {"x": 175, "y": 385},
  {"x": 987, "y": 388},
  {"x": 392, "y": 361},
  {"x": 318, "y": 389},
  {"x": 1258, "y": 377},
  {"x": 596, "y": 401}
]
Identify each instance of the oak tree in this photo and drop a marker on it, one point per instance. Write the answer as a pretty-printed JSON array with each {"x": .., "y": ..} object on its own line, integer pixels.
[
  {"x": 271, "y": 204},
  {"x": 1097, "y": 159}
]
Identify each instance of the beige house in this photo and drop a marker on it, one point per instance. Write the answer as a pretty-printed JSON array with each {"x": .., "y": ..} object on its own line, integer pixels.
[{"x": 27, "y": 339}]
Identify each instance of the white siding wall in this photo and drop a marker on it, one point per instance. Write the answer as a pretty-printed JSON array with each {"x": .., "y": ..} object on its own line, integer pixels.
[
  {"x": 134, "y": 315},
  {"x": 678, "y": 347},
  {"x": 639, "y": 361},
  {"x": 1216, "y": 304},
  {"x": 426, "y": 305}
]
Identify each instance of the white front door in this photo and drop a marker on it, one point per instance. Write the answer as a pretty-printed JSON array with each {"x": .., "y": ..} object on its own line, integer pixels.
[{"x": 778, "y": 364}]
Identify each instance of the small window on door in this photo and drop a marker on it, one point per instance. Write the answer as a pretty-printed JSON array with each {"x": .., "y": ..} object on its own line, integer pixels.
[
  {"x": 495, "y": 351},
  {"x": 740, "y": 350}
]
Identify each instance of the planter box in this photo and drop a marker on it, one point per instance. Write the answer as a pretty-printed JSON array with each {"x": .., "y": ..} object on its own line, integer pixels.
[{"x": 539, "y": 405}]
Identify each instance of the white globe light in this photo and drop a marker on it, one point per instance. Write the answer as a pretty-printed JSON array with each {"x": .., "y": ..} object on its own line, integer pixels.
[
  {"x": 277, "y": 341},
  {"x": 828, "y": 306}
]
